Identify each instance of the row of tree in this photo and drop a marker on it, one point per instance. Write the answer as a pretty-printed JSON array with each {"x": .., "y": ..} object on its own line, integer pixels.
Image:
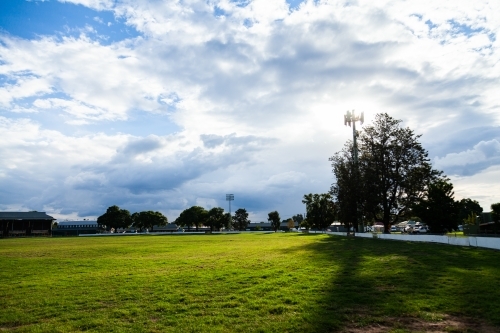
[
  {"x": 116, "y": 218},
  {"x": 216, "y": 219},
  {"x": 195, "y": 216},
  {"x": 391, "y": 180}
]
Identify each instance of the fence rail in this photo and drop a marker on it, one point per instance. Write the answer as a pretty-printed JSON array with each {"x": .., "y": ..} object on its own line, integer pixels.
[{"x": 474, "y": 241}]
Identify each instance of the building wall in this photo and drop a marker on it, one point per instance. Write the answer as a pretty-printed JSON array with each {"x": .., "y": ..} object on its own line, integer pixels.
[{"x": 25, "y": 227}]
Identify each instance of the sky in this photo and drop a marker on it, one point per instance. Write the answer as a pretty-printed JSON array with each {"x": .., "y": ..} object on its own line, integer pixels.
[{"x": 162, "y": 105}]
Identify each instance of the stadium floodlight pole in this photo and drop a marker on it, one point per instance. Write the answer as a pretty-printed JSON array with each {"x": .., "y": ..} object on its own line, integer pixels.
[
  {"x": 350, "y": 117},
  {"x": 230, "y": 197}
]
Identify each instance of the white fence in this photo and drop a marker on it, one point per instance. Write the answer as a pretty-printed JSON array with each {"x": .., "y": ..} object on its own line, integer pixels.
[{"x": 487, "y": 242}]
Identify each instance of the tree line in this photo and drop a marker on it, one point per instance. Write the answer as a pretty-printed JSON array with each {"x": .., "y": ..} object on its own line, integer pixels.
[
  {"x": 116, "y": 218},
  {"x": 391, "y": 180},
  {"x": 216, "y": 219},
  {"x": 193, "y": 217}
]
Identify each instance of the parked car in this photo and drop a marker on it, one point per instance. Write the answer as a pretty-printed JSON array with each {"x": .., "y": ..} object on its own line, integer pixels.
[
  {"x": 394, "y": 229},
  {"x": 422, "y": 230},
  {"x": 408, "y": 229}
]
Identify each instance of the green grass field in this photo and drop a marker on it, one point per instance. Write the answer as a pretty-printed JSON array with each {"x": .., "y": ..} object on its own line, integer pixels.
[{"x": 245, "y": 283}]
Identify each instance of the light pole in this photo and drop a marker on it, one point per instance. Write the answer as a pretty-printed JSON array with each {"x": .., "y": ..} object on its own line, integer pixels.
[
  {"x": 230, "y": 197},
  {"x": 350, "y": 117}
]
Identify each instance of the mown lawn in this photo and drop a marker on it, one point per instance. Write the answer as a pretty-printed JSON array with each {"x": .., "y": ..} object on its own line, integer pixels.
[{"x": 242, "y": 283}]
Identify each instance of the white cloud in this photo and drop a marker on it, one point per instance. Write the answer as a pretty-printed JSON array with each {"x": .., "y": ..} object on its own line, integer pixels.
[
  {"x": 482, "y": 187},
  {"x": 78, "y": 109},
  {"x": 96, "y": 4},
  {"x": 483, "y": 153}
]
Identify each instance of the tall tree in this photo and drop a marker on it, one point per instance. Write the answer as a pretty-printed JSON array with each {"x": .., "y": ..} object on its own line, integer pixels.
[
  {"x": 346, "y": 189},
  {"x": 240, "y": 220},
  {"x": 193, "y": 216},
  {"x": 394, "y": 168},
  {"x": 320, "y": 210},
  {"x": 115, "y": 218},
  {"x": 468, "y": 207},
  {"x": 298, "y": 218},
  {"x": 148, "y": 219},
  {"x": 437, "y": 208},
  {"x": 495, "y": 211},
  {"x": 495, "y": 215},
  {"x": 274, "y": 218},
  {"x": 216, "y": 218},
  {"x": 306, "y": 224},
  {"x": 228, "y": 220}
]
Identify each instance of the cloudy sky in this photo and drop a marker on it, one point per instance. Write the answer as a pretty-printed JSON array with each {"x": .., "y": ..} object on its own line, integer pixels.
[{"x": 161, "y": 105}]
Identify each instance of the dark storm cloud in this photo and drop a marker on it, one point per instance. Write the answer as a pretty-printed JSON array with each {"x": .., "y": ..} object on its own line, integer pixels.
[{"x": 139, "y": 146}]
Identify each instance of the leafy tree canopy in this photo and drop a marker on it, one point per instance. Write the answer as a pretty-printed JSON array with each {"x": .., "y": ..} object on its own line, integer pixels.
[
  {"x": 216, "y": 218},
  {"x": 298, "y": 218},
  {"x": 148, "y": 219},
  {"x": 193, "y": 216},
  {"x": 468, "y": 207},
  {"x": 240, "y": 220},
  {"x": 115, "y": 218},
  {"x": 438, "y": 209},
  {"x": 274, "y": 218},
  {"x": 495, "y": 212},
  {"x": 320, "y": 210},
  {"x": 393, "y": 175}
]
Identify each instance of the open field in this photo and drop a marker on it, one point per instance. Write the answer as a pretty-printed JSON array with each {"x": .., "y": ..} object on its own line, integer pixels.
[{"x": 246, "y": 283}]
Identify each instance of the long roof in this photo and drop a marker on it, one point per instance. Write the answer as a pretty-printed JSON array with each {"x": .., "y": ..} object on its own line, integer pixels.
[
  {"x": 81, "y": 222},
  {"x": 25, "y": 216}
]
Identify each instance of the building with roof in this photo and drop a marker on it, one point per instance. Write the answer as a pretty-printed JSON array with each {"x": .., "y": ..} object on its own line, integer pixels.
[
  {"x": 75, "y": 228},
  {"x": 267, "y": 226},
  {"x": 25, "y": 224}
]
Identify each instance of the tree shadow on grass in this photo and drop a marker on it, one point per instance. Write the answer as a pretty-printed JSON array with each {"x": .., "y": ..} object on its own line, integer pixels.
[{"x": 369, "y": 281}]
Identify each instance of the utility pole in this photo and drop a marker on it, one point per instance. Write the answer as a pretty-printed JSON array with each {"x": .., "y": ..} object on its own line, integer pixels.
[
  {"x": 350, "y": 117},
  {"x": 230, "y": 197}
]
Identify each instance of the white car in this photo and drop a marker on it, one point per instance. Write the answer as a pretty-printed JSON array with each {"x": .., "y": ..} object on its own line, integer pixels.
[{"x": 422, "y": 230}]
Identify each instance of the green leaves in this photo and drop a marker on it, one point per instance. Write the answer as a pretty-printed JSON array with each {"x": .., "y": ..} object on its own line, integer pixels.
[
  {"x": 274, "y": 218},
  {"x": 240, "y": 221},
  {"x": 115, "y": 218},
  {"x": 321, "y": 210},
  {"x": 148, "y": 219},
  {"x": 216, "y": 218},
  {"x": 194, "y": 216},
  {"x": 438, "y": 209},
  {"x": 392, "y": 175}
]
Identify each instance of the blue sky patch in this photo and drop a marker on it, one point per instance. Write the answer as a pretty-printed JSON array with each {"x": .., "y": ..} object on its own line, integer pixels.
[
  {"x": 32, "y": 19},
  {"x": 294, "y": 4},
  {"x": 430, "y": 24},
  {"x": 219, "y": 11},
  {"x": 467, "y": 30}
]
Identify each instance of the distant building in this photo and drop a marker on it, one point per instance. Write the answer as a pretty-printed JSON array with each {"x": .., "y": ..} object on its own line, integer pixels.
[
  {"x": 25, "y": 224},
  {"x": 75, "y": 228},
  {"x": 266, "y": 226},
  {"x": 169, "y": 227}
]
